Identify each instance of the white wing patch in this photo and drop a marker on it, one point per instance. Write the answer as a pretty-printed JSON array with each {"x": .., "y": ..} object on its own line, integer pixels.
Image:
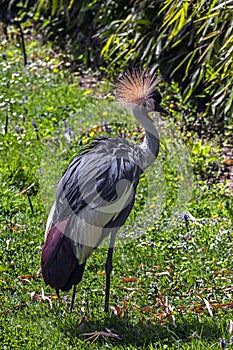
[{"x": 86, "y": 227}]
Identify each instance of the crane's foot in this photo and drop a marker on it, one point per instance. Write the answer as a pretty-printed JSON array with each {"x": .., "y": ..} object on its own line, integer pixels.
[
  {"x": 73, "y": 297},
  {"x": 93, "y": 336},
  {"x": 58, "y": 293}
]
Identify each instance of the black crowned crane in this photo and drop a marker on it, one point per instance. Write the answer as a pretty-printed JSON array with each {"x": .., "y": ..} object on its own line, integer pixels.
[{"x": 96, "y": 192}]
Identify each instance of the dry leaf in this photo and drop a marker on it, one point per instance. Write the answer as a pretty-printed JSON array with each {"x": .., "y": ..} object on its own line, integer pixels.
[
  {"x": 162, "y": 274},
  {"x": 117, "y": 310},
  {"x": 209, "y": 308},
  {"x": 231, "y": 327},
  {"x": 129, "y": 279},
  {"x": 228, "y": 162}
]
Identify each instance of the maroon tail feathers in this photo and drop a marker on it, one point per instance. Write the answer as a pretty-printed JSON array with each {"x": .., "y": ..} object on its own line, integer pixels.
[{"x": 60, "y": 267}]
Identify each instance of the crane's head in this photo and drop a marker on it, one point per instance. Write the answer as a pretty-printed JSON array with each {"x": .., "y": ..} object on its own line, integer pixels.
[
  {"x": 153, "y": 101},
  {"x": 138, "y": 88}
]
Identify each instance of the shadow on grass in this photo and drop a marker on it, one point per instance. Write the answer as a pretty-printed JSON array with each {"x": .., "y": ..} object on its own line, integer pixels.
[{"x": 140, "y": 333}]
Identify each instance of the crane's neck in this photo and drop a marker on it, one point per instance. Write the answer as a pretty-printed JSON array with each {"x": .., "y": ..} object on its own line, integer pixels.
[{"x": 150, "y": 145}]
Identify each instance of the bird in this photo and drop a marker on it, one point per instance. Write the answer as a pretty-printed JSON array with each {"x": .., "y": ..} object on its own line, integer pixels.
[{"x": 96, "y": 192}]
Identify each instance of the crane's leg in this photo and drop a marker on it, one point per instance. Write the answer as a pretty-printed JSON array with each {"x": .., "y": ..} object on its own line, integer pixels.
[
  {"x": 73, "y": 297},
  {"x": 58, "y": 293},
  {"x": 108, "y": 269}
]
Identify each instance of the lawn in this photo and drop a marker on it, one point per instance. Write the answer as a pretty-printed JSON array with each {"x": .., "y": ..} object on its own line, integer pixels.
[{"x": 172, "y": 277}]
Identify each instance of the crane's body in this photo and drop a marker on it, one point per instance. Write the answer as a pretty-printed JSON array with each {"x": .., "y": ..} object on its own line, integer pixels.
[{"x": 94, "y": 198}]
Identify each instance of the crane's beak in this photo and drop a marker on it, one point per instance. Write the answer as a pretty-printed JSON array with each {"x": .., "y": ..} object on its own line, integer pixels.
[
  {"x": 158, "y": 108},
  {"x": 153, "y": 106}
]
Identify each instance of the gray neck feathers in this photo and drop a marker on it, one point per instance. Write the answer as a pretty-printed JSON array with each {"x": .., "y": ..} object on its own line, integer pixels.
[{"x": 150, "y": 145}]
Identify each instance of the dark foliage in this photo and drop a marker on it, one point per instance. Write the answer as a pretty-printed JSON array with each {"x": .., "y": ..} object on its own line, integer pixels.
[{"x": 190, "y": 42}]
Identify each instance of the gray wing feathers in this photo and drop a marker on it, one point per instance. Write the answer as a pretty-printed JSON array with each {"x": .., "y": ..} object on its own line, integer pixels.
[{"x": 96, "y": 194}]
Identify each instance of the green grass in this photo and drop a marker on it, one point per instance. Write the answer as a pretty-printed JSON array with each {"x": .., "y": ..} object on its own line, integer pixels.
[{"x": 171, "y": 287}]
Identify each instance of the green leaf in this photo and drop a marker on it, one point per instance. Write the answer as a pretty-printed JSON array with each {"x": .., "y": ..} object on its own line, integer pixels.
[
  {"x": 105, "y": 49},
  {"x": 70, "y": 5},
  {"x": 54, "y": 7},
  {"x": 205, "y": 150},
  {"x": 229, "y": 104},
  {"x": 196, "y": 148}
]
